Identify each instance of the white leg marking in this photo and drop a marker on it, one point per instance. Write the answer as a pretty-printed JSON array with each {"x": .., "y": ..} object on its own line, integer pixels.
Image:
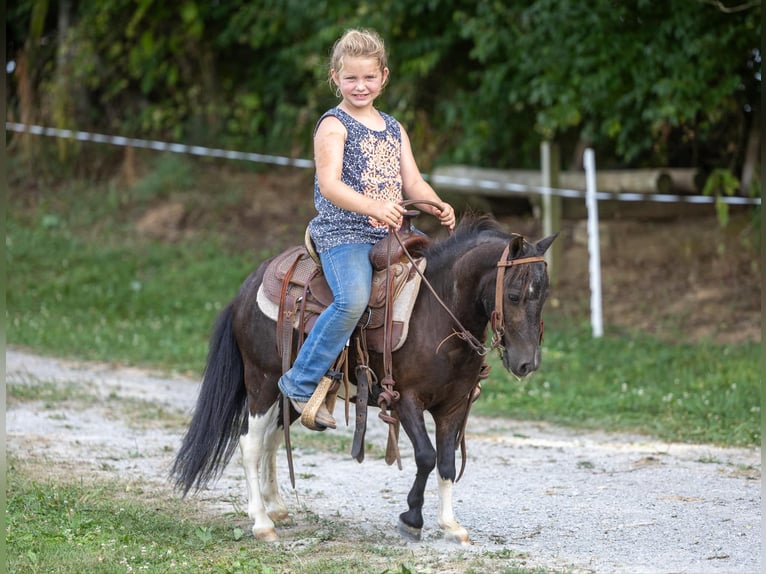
[
  {"x": 450, "y": 526},
  {"x": 275, "y": 506},
  {"x": 252, "y": 447}
]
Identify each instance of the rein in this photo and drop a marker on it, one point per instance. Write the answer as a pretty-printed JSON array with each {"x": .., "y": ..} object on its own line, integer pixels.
[
  {"x": 464, "y": 334},
  {"x": 496, "y": 317},
  {"x": 388, "y": 395}
]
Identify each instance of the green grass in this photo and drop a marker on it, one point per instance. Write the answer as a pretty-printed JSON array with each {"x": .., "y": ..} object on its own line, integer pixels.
[
  {"x": 116, "y": 299},
  {"x": 73, "y": 528},
  {"x": 631, "y": 382},
  {"x": 59, "y": 527},
  {"x": 81, "y": 283}
]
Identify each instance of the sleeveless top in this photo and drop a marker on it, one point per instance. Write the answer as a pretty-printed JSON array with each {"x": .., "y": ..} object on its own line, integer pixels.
[{"x": 371, "y": 167}]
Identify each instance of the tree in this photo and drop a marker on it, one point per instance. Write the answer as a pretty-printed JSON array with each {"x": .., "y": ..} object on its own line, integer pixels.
[
  {"x": 479, "y": 81},
  {"x": 658, "y": 81}
]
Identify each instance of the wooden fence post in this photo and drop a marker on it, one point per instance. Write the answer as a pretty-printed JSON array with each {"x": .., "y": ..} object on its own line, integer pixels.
[{"x": 550, "y": 164}]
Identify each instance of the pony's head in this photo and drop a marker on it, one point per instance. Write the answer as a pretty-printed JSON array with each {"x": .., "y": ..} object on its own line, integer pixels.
[{"x": 520, "y": 292}]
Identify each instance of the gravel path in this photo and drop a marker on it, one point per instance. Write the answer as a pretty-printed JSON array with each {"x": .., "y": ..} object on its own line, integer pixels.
[{"x": 566, "y": 500}]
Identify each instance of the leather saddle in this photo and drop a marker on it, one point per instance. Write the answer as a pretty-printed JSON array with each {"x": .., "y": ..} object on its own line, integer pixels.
[{"x": 294, "y": 292}]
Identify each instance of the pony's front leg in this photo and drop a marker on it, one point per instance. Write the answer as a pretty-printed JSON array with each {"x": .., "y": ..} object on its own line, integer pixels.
[
  {"x": 253, "y": 446},
  {"x": 447, "y": 522},
  {"x": 411, "y": 417},
  {"x": 445, "y": 454}
]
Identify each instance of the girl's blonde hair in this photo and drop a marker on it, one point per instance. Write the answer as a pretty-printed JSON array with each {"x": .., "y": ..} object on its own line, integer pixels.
[{"x": 358, "y": 43}]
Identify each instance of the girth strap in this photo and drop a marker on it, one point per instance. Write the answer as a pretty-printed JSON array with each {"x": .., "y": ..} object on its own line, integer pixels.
[{"x": 287, "y": 310}]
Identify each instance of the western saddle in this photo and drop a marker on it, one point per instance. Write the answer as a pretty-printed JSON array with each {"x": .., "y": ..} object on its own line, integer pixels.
[{"x": 295, "y": 288}]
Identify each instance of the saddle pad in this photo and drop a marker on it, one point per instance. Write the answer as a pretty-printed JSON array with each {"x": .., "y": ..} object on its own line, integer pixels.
[{"x": 403, "y": 303}]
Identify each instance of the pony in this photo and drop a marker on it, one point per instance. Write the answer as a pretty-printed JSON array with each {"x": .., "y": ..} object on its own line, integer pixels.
[{"x": 477, "y": 275}]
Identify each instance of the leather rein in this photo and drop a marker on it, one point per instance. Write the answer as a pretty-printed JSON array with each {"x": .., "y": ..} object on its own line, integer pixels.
[
  {"x": 388, "y": 396},
  {"x": 496, "y": 317}
]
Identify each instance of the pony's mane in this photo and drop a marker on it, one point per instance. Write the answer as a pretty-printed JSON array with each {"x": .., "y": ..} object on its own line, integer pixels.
[{"x": 471, "y": 229}]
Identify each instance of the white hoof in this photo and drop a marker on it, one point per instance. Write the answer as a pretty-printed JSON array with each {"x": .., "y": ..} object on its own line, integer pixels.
[
  {"x": 280, "y": 517},
  {"x": 265, "y": 534},
  {"x": 460, "y": 536}
]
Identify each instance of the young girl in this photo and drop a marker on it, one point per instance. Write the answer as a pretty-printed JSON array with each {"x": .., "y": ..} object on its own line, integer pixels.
[{"x": 364, "y": 168}]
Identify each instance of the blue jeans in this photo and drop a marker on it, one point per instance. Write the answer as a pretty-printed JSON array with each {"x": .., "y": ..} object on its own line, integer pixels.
[{"x": 348, "y": 271}]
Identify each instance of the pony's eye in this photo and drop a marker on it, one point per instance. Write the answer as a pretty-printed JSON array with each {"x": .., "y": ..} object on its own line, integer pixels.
[{"x": 514, "y": 298}]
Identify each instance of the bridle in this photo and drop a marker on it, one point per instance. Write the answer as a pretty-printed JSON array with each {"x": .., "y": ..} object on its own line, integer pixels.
[
  {"x": 388, "y": 395},
  {"x": 496, "y": 318}
]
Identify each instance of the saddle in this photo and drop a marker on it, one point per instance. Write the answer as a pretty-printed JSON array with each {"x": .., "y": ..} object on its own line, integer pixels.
[{"x": 294, "y": 292}]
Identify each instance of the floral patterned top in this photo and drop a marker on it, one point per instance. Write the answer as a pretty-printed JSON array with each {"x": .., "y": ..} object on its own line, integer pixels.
[{"x": 371, "y": 166}]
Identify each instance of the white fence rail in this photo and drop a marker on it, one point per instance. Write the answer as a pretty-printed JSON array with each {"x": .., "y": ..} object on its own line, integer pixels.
[
  {"x": 492, "y": 187},
  {"x": 489, "y": 186}
]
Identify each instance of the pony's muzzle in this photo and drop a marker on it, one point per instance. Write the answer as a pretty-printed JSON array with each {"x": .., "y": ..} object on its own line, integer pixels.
[{"x": 524, "y": 365}]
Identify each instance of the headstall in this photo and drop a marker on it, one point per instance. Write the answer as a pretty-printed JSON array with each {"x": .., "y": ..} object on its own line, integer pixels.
[{"x": 498, "y": 329}]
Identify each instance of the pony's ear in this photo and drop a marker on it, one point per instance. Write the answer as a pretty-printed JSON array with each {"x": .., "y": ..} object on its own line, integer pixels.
[
  {"x": 545, "y": 243},
  {"x": 516, "y": 246}
]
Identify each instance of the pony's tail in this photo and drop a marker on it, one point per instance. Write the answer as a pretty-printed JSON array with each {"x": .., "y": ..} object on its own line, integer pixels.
[{"x": 220, "y": 414}]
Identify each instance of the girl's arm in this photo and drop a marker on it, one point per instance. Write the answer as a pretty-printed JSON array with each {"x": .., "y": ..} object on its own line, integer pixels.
[{"x": 415, "y": 187}]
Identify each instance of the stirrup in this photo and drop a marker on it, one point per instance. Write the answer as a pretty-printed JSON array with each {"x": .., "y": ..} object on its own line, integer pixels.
[{"x": 308, "y": 416}]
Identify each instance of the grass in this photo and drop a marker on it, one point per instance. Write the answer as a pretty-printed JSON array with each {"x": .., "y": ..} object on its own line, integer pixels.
[
  {"x": 119, "y": 300},
  {"x": 72, "y": 528},
  {"x": 631, "y": 382},
  {"x": 81, "y": 283},
  {"x": 59, "y": 527}
]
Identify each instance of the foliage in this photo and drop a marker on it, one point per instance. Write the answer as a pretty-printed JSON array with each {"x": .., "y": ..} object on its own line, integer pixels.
[
  {"x": 721, "y": 183},
  {"x": 480, "y": 82},
  {"x": 636, "y": 75}
]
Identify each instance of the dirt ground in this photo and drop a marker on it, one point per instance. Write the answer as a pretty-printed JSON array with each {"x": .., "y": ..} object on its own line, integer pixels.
[
  {"x": 675, "y": 273},
  {"x": 534, "y": 495}
]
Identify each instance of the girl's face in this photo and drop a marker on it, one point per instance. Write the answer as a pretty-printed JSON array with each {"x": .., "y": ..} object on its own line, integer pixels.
[{"x": 360, "y": 81}]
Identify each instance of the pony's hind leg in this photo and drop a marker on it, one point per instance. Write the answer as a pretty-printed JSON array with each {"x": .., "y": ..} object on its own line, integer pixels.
[
  {"x": 255, "y": 454},
  {"x": 272, "y": 499}
]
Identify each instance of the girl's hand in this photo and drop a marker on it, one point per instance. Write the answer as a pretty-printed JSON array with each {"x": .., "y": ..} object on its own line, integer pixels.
[
  {"x": 446, "y": 216},
  {"x": 389, "y": 213}
]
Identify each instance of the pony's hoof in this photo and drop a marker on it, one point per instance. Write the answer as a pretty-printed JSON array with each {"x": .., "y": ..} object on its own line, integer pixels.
[
  {"x": 410, "y": 532},
  {"x": 265, "y": 534},
  {"x": 459, "y": 536},
  {"x": 281, "y": 517}
]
